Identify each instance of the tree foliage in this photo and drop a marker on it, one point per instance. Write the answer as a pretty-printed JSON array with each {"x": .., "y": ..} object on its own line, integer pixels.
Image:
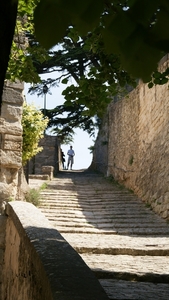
[
  {"x": 137, "y": 30},
  {"x": 21, "y": 65},
  {"x": 97, "y": 76},
  {"x": 34, "y": 124},
  {"x": 64, "y": 119},
  {"x": 102, "y": 43}
]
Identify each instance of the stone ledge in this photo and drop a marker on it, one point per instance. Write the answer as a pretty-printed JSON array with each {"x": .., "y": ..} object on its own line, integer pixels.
[
  {"x": 42, "y": 177},
  {"x": 63, "y": 274},
  {"x": 48, "y": 170}
]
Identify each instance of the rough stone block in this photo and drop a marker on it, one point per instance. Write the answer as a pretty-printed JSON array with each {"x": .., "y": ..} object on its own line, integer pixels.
[
  {"x": 11, "y": 137},
  {"x": 7, "y": 191},
  {"x": 11, "y": 159},
  {"x": 48, "y": 170},
  {"x": 12, "y": 96},
  {"x": 12, "y": 145},
  {"x": 166, "y": 197},
  {"x": 2, "y": 224},
  {"x": 42, "y": 177},
  {"x": 10, "y": 128},
  {"x": 165, "y": 214},
  {"x": 17, "y": 85},
  {"x": 11, "y": 113}
]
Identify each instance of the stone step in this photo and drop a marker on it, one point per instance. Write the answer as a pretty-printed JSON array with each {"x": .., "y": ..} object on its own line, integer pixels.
[
  {"x": 77, "y": 218},
  {"x": 97, "y": 208},
  {"x": 125, "y": 290},
  {"x": 132, "y": 226},
  {"x": 95, "y": 195},
  {"x": 118, "y": 244},
  {"x": 91, "y": 201},
  {"x": 108, "y": 231},
  {"x": 128, "y": 267},
  {"x": 79, "y": 230},
  {"x": 143, "y": 231},
  {"x": 102, "y": 218},
  {"x": 68, "y": 215},
  {"x": 119, "y": 238},
  {"x": 89, "y": 214}
]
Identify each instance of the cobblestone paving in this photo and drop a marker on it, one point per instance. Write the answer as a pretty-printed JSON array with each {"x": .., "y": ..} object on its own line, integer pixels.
[{"x": 119, "y": 238}]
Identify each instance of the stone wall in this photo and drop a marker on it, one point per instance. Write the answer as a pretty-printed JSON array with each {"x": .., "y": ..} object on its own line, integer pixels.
[
  {"x": 10, "y": 141},
  {"x": 3, "y": 220},
  {"x": 10, "y": 155},
  {"x": 39, "y": 264},
  {"x": 49, "y": 156},
  {"x": 137, "y": 135}
]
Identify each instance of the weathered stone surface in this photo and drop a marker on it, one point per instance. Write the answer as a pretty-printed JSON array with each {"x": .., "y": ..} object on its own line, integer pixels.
[
  {"x": 49, "y": 156},
  {"x": 2, "y": 224},
  {"x": 134, "y": 290},
  {"x": 8, "y": 175},
  {"x": 14, "y": 129},
  {"x": 40, "y": 264},
  {"x": 42, "y": 177},
  {"x": 115, "y": 233},
  {"x": 11, "y": 159},
  {"x": 136, "y": 129},
  {"x": 48, "y": 170},
  {"x": 11, "y": 113},
  {"x": 17, "y": 85},
  {"x": 15, "y": 138},
  {"x": 12, "y": 145},
  {"x": 10, "y": 142},
  {"x": 3, "y": 220},
  {"x": 12, "y": 96},
  {"x": 8, "y": 191}
]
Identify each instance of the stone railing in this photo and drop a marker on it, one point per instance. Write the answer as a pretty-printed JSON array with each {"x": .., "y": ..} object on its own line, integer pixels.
[{"x": 39, "y": 263}]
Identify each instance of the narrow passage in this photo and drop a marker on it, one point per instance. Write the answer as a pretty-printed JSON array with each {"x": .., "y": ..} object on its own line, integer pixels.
[{"x": 124, "y": 243}]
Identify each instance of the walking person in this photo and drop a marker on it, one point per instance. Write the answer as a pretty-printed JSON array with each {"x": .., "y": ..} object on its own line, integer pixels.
[
  {"x": 71, "y": 155},
  {"x": 62, "y": 158}
]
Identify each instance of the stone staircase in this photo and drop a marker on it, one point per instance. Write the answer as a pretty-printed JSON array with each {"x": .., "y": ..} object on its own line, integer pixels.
[{"x": 124, "y": 243}]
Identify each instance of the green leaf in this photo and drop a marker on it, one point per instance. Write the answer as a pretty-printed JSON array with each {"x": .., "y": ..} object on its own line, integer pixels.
[
  {"x": 64, "y": 81},
  {"x": 157, "y": 81},
  {"x": 164, "y": 80},
  {"x": 51, "y": 23},
  {"x": 87, "y": 20},
  {"x": 156, "y": 74},
  {"x": 150, "y": 85}
]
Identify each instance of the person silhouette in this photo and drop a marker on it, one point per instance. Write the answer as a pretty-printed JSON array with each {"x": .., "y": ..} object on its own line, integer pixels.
[
  {"x": 71, "y": 155},
  {"x": 62, "y": 158}
]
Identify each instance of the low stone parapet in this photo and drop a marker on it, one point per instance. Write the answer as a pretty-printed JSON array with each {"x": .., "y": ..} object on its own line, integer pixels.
[
  {"x": 40, "y": 264},
  {"x": 42, "y": 177},
  {"x": 48, "y": 170}
]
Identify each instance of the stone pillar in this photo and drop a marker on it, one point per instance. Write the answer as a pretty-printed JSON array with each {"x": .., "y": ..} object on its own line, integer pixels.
[
  {"x": 10, "y": 155},
  {"x": 10, "y": 141}
]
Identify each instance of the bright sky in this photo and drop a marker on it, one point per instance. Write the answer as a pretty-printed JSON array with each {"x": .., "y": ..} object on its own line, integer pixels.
[{"x": 82, "y": 141}]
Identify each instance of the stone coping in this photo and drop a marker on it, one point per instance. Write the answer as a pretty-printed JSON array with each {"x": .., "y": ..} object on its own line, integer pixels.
[
  {"x": 42, "y": 177},
  {"x": 68, "y": 276}
]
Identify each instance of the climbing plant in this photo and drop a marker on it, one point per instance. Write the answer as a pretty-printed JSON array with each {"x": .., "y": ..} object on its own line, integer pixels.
[{"x": 34, "y": 124}]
